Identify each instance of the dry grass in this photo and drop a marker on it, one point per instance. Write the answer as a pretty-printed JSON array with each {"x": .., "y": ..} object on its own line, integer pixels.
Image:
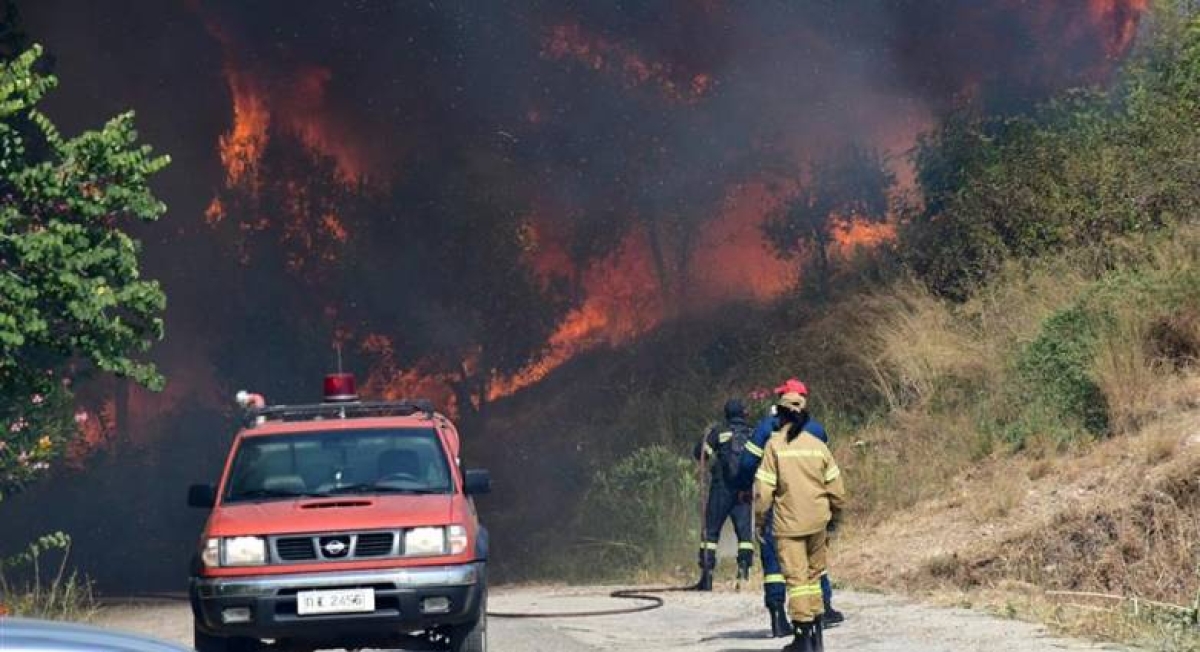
[
  {"x": 946, "y": 506},
  {"x": 1002, "y": 493},
  {"x": 919, "y": 344}
]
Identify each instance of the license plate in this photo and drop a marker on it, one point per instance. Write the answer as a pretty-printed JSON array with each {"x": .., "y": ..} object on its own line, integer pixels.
[{"x": 344, "y": 601}]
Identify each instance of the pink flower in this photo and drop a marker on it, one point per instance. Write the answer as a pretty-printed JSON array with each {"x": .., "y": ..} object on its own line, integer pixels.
[
  {"x": 81, "y": 417},
  {"x": 37, "y": 399},
  {"x": 18, "y": 425}
]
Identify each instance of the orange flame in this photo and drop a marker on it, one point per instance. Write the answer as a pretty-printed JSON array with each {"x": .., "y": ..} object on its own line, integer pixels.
[
  {"x": 1119, "y": 20},
  {"x": 242, "y": 148},
  {"x": 623, "y": 300}
]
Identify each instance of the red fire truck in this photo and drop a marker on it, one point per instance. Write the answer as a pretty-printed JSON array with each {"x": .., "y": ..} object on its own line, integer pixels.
[{"x": 341, "y": 524}]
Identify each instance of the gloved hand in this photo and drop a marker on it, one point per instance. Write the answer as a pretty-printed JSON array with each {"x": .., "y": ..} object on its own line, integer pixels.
[
  {"x": 831, "y": 528},
  {"x": 745, "y": 497}
]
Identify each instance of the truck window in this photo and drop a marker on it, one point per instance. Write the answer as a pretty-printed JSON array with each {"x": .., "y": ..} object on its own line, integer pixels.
[{"x": 338, "y": 462}]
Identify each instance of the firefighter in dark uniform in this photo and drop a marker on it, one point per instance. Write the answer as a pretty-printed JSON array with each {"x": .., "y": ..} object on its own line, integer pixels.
[{"x": 721, "y": 450}]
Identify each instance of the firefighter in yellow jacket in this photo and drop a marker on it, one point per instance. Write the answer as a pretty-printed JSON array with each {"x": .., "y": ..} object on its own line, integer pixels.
[{"x": 800, "y": 478}]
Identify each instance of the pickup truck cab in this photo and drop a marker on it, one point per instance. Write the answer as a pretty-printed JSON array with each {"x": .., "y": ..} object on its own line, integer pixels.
[{"x": 341, "y": 524}]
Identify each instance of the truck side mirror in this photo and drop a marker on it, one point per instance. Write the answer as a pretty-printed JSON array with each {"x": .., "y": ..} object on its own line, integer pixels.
[
  {"x": 476, "y": 482},
  {"x": 202, "y": 495}
]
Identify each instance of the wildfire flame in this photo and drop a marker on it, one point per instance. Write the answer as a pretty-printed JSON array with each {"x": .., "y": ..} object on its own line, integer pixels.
[
  {"x": 1119, "y": 20},
  {"x": 621, "y": 294},
  {"x": 622, "y": 301}
]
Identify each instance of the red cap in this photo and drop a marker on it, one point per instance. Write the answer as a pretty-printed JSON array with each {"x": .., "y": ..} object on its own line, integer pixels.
[
  {"x": 791, "y": 385},
  {"x": 340, "y": 388}
]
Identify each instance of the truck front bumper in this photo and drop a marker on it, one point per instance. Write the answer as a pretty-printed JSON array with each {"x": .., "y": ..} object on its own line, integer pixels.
[{"x": 406, "y": 600}]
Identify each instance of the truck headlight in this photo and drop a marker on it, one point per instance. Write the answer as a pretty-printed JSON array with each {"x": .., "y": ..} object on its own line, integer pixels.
[
  {"x": 425, "y": 541},
  {"x": 244, "y": 551},
  {"x": 456, "y": 535}
]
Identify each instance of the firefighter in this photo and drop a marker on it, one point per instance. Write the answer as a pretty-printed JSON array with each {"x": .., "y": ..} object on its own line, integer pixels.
[
  {"x": 721, "y": 450},
  {"x": 774, "y": 590},
  {"x": 801, "y": 483}
]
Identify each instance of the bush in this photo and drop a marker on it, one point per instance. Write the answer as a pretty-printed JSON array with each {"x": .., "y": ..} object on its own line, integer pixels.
[
  {"x": 1076, "y": 171},
  {"x": 1055, "y": 373},
  {"x": 642, "y": 513},
  {"x": 25, "y": 592}
]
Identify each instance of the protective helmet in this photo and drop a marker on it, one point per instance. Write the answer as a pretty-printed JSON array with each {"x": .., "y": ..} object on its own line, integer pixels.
[
  {"x": 793, "y": 401},
  {"x": 791, "y": 385},
  {"x": 734, "y": 408}
]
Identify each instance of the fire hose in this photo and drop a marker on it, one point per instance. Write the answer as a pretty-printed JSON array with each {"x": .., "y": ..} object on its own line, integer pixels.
[
  {"x": 644, "y": 595},
  {"x": 649, "y": 602}
]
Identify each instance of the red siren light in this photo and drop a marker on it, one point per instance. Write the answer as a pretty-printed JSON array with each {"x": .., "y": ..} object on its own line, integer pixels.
[{"x": 340, "y": 388}]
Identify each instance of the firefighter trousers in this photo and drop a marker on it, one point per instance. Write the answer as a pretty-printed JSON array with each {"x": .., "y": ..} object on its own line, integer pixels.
[
  {"x": 774, "y": 586},
  {"x": 723, "y": 503},
  {"x": 803, "y": 560}
]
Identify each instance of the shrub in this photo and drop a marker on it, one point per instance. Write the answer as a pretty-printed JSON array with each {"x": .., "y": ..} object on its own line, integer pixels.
[
  {"x": 1055, "y": 372},
  {"x": 1076, "y": 171},
  {"x": 25, "y": 592},
  {"x": 641, "y": 513}
]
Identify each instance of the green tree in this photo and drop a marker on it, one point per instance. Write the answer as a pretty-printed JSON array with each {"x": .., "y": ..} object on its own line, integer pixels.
[
  {"x": 72, "y": 299},
  {"x": 1074, "y": 171},
  {"x": 851, "y": 185}
]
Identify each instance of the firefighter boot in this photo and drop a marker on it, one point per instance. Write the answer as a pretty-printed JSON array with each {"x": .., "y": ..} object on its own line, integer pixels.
[
  {"x": 803, "y": 642},
  {"x": 818, "y": 635},
  {"x": 780, "y": 625},
  {"x": 745, "y": 560},
  {"x": 705, "y": 583},
  {"x": 832, "y": 618}
]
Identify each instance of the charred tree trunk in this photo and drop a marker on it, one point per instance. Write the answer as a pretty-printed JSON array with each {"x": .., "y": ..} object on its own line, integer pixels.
[{"x": 821, "y": 241}]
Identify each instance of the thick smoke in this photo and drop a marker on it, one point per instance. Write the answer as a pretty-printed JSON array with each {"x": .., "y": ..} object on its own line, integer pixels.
[{"x": 463, "y": 195}]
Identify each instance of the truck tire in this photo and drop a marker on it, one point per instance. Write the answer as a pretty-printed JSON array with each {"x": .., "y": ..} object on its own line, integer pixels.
[
  {"x": 471, "y": 637},
  {"x": 204, "y": 642}
]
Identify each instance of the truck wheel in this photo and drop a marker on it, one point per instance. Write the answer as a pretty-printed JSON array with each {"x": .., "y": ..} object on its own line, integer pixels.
[
  {"x": 204, "y": 642},
  {"x": 471, "y": 637}
]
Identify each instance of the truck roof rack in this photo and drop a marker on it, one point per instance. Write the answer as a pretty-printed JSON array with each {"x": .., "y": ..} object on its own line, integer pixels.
[{"x": 347, "y": 410}]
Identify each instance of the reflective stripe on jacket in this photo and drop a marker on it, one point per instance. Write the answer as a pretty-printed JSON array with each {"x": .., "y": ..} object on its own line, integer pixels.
[
  {"x": 752, "y": 456},
  {"x": 802, "y": 481}
]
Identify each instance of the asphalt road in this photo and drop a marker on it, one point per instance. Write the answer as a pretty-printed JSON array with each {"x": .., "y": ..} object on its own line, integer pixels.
[{"x": 726, "y": 622}]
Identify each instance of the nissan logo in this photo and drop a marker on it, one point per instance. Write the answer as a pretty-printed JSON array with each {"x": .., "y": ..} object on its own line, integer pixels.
[{"x": 334, "y": 548}]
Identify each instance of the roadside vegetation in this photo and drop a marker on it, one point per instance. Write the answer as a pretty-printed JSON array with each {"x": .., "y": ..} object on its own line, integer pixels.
[
  {"x": 1012, "y": 385},
  {"x": 73, "y": 303},
  {"x": 32, "y": 585}
]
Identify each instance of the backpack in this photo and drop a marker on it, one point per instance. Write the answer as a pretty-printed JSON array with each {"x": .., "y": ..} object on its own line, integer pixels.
[{"x": 730, "y": 444}]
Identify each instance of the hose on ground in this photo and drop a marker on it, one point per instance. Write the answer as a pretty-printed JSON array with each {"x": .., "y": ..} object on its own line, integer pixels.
[{"x": 649, "y": 602}]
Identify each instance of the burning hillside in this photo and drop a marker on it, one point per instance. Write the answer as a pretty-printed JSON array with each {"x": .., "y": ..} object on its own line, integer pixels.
[{"x": 641, "y": 164}]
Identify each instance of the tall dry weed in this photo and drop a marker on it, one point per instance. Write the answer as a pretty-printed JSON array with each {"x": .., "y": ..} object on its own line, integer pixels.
[{"x": 919, "y": 344}]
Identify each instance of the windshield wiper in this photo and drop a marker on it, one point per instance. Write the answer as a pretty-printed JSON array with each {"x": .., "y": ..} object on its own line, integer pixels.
[
  {"x": 273, "y": 493},
  {"x": 367, "y": 487}
]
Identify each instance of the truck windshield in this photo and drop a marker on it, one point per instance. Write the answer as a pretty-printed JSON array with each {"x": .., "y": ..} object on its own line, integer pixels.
[{"x": 339, "y": 462}]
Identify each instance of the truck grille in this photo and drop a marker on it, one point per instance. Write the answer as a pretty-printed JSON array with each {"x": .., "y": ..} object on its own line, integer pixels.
[
  {"x": 335, "y": 546},
  {"x": 374, "y": 544},
  {"x": 295, "y": 549}
]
